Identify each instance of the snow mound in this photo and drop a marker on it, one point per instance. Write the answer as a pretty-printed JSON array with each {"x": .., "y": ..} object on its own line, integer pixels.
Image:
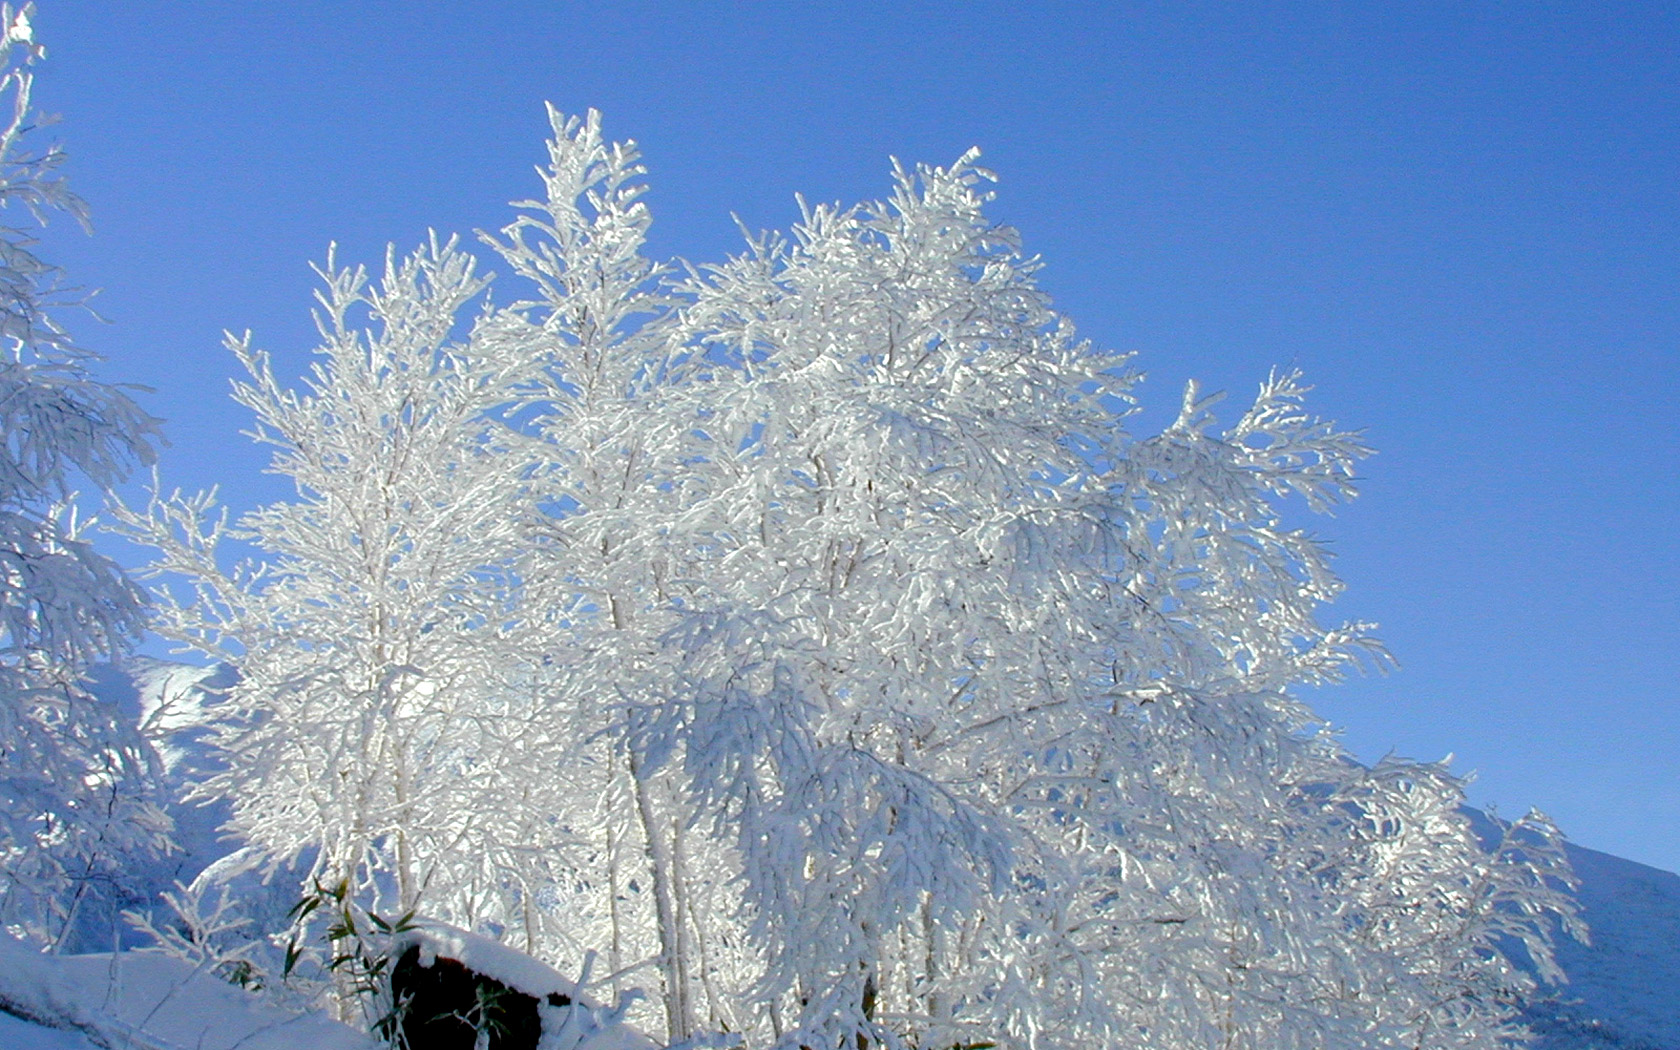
[
  {"x": 584, "y": 1024},
  {"x": 487, "y": 958},
  {"x": 145, "y": 1001}
]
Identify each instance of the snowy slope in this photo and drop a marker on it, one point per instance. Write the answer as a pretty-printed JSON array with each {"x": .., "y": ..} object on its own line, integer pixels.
[
  {"x": 144, "y": 1001},
  {"x": 1624, "y": 989}
]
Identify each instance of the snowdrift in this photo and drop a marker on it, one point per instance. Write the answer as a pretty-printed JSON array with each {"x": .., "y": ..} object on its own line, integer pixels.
[{"x": 146, "y": 1001}]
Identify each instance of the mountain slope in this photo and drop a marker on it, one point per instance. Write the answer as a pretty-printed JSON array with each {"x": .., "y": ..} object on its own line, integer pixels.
[{"x": 1624, "y": 988}]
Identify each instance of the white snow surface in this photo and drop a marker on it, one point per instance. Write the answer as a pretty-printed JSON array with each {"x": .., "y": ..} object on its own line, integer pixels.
[
  {"x": 486, "y": 957},
  {"x": 145, "y": 1001},
  {"x": 18, "y": 1034}
]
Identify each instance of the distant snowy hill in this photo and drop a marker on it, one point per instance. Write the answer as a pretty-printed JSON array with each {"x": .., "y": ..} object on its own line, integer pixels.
[{"x": 1624, "y": 989}]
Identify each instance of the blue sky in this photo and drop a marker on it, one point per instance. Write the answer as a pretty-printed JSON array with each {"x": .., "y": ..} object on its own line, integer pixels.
[{"x": 1460, "y": 220}]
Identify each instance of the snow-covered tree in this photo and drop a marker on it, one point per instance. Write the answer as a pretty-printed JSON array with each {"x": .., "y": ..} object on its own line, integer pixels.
[
  {"x": 425, "y": 647},
  {"x": 807, "y": 635},
  {"x": 1456, "y": 908},
  {"x": 592, "y": 334},
  {"x": 989, "y": 701},
  {"x": 74, "y": 778},
  {"x": 381, "y": 729},
  {"x": 890, "y": 449}
]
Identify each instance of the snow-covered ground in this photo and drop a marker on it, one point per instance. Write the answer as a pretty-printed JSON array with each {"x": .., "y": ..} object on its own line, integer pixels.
[
  {"x": 145, "y": 1001},
  {"x": 18, "y": 1034}
]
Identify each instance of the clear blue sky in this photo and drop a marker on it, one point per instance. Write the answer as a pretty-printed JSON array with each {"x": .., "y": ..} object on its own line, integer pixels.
[{"x": 1462, "y": 220}]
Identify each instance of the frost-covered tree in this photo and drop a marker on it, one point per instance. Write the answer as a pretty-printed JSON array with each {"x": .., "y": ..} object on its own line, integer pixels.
[
  {"x": 425, "y": 645},
  {"x": 807, "y": 635},
  {"x": 592, "y": 333},
  {"x": 989, "y": 701},
  {"x": 1453, "y": 907},
  {"x": 74, "y": 804},
  {"x": 381, "y": 727},
  {"x": 889, "y": 447}
]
